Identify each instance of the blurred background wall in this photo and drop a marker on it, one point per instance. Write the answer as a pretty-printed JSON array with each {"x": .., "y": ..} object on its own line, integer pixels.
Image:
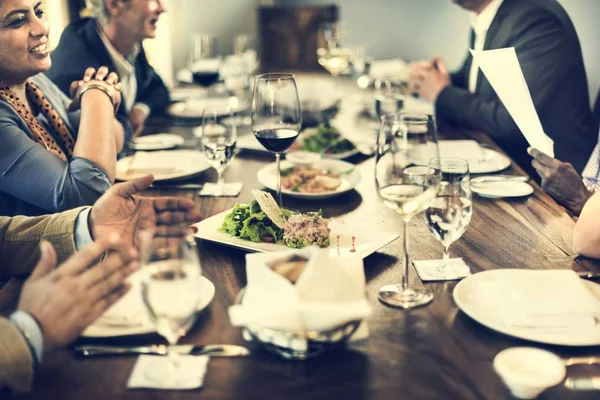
[{"x": 410, "y": 29}]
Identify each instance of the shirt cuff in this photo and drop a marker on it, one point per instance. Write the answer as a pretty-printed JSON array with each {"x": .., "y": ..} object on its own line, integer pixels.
[
  {"x": 31, "y": 332},
  {"x": 83, "y": 236},
  {"x": 143, "y": 108}
]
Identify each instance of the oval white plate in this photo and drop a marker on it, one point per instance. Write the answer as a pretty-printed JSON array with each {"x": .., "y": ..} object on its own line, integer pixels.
[
  {"x": 498, "y": 190},
  {"x": 159, "y": 141},
  {"x": 194, "y": 108},
  {"x": 468, "y": 298},
  {"x": 164, "y": 165},
  {"x": 267, "y": 176},
  {"x": 133, "y": 301}
]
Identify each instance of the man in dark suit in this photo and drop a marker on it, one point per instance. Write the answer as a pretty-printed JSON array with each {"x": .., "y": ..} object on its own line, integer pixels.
[
  {"x": 113, "y": 38},
  {"x": 550, "y": 56}
]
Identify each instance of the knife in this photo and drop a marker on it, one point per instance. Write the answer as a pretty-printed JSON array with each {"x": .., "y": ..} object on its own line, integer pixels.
[
  {"x": 182, "y": 186},
  {"x": 592, "y": 383},
  {"x": 215, "y": 350},
  {"x": 589, "y": 275}
]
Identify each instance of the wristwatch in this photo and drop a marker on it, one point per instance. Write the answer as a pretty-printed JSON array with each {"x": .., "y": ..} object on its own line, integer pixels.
[{"x": 27, "y": 337}]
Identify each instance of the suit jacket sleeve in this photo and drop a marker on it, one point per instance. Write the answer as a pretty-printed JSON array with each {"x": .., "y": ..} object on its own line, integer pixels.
[
  {"x": 458, "y": 78},
  {"x": 16, "y": 362},
  {"x": 152, "y": 91},
  {"x": 538, "y": 38},
  {"x": 20, "y": 238}
]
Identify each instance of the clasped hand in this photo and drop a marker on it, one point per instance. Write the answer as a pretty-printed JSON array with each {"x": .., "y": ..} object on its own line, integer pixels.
[
  {"x": 427, "y": 79},
  {"x": 101, "y": 79}
]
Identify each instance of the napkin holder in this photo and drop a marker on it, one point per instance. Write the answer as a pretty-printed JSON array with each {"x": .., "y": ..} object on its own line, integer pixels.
[{"x": 297, "y": 338}]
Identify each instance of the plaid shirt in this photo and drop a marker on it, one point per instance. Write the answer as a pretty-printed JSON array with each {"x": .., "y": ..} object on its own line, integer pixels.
[{"x": 591, "y": 173}]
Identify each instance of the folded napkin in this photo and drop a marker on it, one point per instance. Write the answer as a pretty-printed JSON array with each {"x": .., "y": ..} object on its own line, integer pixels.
[
  {"x": 428, "y": 270},
  {"x": 540, "y": 299},
  {"x": 394, "y": 69},
  {"x": 469, "y": 150},
  {"x": 195, "y": 368},
  {"x": 328, "y": 293}
]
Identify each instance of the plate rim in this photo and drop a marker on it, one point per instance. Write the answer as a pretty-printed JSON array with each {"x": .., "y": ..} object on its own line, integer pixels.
[
  {"x": 151, "y": 330},
  {"x": 170, "y": 113},
  {"x": 176, "y": 143},
  {"x": 506, "y": 330},
  {"x": 506, "y": 160},
  {"x": 173, "y": 178},
  {"x": 489, "y": 196},
  {"x": 357, "y": 177}
]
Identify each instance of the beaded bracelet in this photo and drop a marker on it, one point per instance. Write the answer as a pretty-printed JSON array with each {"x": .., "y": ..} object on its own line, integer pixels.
[{"x": 101, "y": 87}]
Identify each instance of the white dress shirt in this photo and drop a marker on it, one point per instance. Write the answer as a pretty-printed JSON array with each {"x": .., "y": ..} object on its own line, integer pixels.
[
  {"x": 481, "y": 24},
  {"x": 126, "y": 70}
]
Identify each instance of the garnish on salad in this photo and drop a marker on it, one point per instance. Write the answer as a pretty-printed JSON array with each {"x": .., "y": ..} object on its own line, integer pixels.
[
  {"x": 262, "y": 221},
  {"x": 325, "y": 140}
]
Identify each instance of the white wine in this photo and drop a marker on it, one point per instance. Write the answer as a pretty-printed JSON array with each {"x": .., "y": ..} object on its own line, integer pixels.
[
  {"x": 171, "y": 292},
  {"x": 219, "y": 154},
  {"x": 448, "y": 218},
  {"x": 335, "y": 60},
  {"x": 407, "y": 199}
]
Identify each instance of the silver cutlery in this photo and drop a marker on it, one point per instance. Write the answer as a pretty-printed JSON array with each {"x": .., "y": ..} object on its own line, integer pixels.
[
  {"x": 589, "y": 275},
  {"x": 183, "y": 186},
  {"x": 592, "y": 383},
  {"x": 582, "y": 361},
  {"x": 498, "y": 178},
  {"x": 214, "y": 350}
]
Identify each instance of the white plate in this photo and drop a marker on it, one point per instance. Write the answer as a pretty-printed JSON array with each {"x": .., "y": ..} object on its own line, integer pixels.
[
  {"x": 194, "y": 108},
  {"x": 159, "y": 141},
  {"x": 492, "y": 161},
  {"x": 184, "y": 93},
  {"x": 341, "y": 237},
  {"x": 131, "y": 304},
  {"x": 481, "y": 159},
  {"x": 497, "y": 190},
  {"x": 467, "y": 297},
  {"x": 249, "y": 142},
  {"x": 168, "y": 164},
  {"x": 267, "y": 176}
]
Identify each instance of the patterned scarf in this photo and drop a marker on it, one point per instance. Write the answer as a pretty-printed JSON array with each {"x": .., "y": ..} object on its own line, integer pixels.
[{"x": 40, "y": 133}]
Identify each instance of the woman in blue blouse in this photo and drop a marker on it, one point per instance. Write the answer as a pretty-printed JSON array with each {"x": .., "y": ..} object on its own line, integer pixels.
[{"x": 55, "y": 153}]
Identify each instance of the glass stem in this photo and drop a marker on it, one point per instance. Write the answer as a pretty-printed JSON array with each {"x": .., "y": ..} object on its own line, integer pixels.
[
  {"x": 173, "y": 359},
  {"x": 220, "y": 182},
  {"x": 445, "y": 261},
  {"x": 405, "y": 243},
  {"x": 278, "y": 160}
]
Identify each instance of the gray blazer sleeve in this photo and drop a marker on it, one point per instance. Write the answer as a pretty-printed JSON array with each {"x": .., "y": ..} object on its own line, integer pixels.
[{"x": 536, "y": 39}]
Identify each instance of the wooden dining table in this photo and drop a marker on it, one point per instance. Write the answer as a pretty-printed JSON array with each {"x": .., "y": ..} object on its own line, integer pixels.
[{"x": 432, "y": 352}]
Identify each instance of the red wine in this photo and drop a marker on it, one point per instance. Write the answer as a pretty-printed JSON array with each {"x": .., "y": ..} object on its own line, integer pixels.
[
  {"x": 276, "y": 140},
  {"x": 205, "y": 78}
]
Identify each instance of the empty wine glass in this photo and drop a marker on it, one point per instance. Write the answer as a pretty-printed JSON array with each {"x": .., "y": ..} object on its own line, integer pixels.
[
  {"x": 218, "y": 141},
  {"x": 405, "y": 145},
  {"x": 450, "y": 213},
  {"x": 203, "y": 62},
  {"x": 276, "y": 115},
  {"x": 389, "y": 97},
  {"x": 330, "y": 52},
  {"x": 171, "y": 291}
]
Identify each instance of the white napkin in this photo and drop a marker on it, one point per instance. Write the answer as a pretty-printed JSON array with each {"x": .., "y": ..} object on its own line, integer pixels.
[
  {"x": 140, "y": 379},
  {"x": 394, "y": 69},
  {"x": 428, "y": 269},
  {"x": 541, "y": 299},
  {"x": 230, "y": 189},
  {"x": 469, "y": 150},
  {"x": 328, "y": 293},
  {"x": 317, "y": 94}
]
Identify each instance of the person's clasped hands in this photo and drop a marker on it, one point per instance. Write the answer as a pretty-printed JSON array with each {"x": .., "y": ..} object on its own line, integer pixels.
[
  {"x": 102, "y": 80},
  {"x": 428, "y": 78}
]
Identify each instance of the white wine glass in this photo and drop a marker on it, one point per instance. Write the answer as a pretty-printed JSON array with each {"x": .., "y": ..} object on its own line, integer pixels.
[
  {"x": 405, "y": 145},
  {"x": 276, "y": 115},
  {"x": 218, "y": 141},
  {"x": 449, "y": 215},
  {"x": 389, "y": 97},
  {"x": 171, "y": 291},
  {"x": 331, "y": 55}
]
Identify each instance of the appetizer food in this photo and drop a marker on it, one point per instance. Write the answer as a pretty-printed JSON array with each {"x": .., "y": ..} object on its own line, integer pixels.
[
  {"x": 263, "y": 221},
  {"x": 309, "y": 180},
  {"x": 324, "y": 140}
]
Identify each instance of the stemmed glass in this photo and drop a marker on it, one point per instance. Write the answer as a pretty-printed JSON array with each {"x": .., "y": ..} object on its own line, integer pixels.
[
  {"x": 276, "y": 115},
  {"x": 450, "y": 213},
  {"x": 330, "y": 53},
  {"x": 203, "y": 62},
  {"x": 405, "y": 145},
  {"x": 171, "y": 291},
  {"x": 218, "y": 142},
  {"x": 389, "y": 98}
]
